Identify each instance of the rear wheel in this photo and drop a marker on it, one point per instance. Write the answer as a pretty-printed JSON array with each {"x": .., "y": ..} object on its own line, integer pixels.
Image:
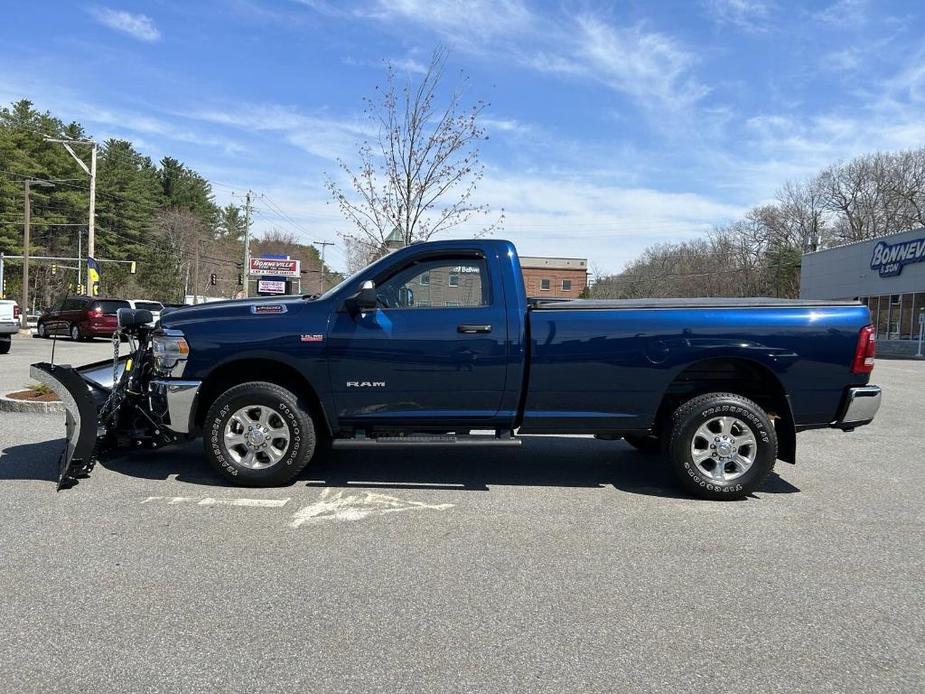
[
  {"x": 259, "y": 435},
  {"x": 76, "y": 335},
  {"x": 5, "y": 344},
  {"x": 723, "y": 446}
]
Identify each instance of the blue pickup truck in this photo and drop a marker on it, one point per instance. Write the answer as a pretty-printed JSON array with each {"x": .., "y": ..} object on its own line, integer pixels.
[{"x": 437, "y": 344}]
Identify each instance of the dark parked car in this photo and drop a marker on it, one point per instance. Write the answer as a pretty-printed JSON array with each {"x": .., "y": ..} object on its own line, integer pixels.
[{"x": 81, "y": 317}]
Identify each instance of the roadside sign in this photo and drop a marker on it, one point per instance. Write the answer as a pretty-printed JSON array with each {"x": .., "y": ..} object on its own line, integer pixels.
[
  {"x": 271, "y": 286},
  {"x": 278, "y": 267}
]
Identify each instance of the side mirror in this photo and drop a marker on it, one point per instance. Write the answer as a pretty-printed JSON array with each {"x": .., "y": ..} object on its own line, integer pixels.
[{"x": 364, "y": 300}]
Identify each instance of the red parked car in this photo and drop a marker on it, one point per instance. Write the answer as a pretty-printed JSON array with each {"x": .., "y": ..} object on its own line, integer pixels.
[{"x": 81, "y": 317}]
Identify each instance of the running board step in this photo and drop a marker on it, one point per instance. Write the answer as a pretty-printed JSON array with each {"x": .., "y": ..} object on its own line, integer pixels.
[{"x": 409, "y": 441}]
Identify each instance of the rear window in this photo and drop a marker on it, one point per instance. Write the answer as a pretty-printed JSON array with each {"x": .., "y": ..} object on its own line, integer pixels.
[
  {"x": 149, "y": 305},
  {"x": 109, "y": 307}
]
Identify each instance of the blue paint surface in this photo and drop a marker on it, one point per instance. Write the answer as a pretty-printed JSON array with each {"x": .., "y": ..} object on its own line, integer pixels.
[{"x": 585, "y": 370}]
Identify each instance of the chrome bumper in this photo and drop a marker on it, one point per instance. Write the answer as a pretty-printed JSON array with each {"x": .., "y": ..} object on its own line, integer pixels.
[
  {"x": 860, "y": 407},
  {"x": 179, "y": 399}
]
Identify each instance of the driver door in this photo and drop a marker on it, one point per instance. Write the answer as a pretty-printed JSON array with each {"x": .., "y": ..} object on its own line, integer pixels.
[{"x": 434, "y": 350}]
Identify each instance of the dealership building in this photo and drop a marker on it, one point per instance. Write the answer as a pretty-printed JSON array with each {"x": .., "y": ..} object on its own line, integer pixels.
[
  {"x": 557, "y": 278},
  {"x": 886, "y": 273}
]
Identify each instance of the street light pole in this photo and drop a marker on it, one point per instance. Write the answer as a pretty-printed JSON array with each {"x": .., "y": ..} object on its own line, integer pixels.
[
  {"x": 324, "y": 245},
  {"x": 247, "y": 244},
  {"x": 91, "y": 172}
]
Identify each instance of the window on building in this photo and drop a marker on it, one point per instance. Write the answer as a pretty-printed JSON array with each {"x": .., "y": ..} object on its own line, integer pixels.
[
  {"x": 566, "y": 285},
  {"x": 425, "y": 279},
  {"x": 544, "y": 285},
  {"x": 454, "y": 280},
  {"x": 895, "y": 299}
]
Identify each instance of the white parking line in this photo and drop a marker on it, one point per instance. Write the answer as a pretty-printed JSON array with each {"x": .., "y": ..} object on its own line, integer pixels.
[
  {"x": 264, "y": 503},
  {"x": 210, "y": 501},
  {"x": 338, "y": 506}
]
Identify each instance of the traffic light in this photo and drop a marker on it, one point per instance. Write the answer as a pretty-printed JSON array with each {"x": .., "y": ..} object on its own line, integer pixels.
[
  {"x": 54, "y": 269},
  {"x": 212, "y": 279},
  {"x": 240, "y": 279}
]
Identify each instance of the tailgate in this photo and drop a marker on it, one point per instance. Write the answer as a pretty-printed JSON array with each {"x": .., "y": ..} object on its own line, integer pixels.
[{"x": 6, "y": 311}]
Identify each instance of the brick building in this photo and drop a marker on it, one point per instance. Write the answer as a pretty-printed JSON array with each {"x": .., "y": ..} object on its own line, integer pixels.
[{"x": 554, "y": 277}]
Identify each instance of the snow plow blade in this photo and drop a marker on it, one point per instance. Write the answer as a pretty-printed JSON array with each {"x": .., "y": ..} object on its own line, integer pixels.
[{"x": 78, "y": 456}]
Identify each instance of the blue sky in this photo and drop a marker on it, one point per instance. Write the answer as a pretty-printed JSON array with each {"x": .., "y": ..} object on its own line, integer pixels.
[{"x": 612, "y": 125}]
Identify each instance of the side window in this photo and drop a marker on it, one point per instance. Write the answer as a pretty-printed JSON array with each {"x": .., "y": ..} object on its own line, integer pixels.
[{"x": 447, "y": 282}]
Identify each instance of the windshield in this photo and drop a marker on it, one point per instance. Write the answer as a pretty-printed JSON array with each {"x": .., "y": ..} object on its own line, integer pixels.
[
  {"x": 109, "y": 307},
  {"x": 149, "y": 305}
]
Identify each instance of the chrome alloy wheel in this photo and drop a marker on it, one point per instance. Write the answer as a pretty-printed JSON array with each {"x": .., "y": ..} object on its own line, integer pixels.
[
  {"x": 257, "y": 437},
  {"x": 724, "y": 448}
]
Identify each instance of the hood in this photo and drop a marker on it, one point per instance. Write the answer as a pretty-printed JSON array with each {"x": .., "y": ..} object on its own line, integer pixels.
[{"x": 177, "y": 317}]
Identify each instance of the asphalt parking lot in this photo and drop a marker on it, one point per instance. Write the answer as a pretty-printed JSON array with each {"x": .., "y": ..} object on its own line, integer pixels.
[{"x": 569, "y": 565}]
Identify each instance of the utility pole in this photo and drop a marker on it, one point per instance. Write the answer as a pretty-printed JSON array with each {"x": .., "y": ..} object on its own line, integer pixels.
[
  {"x": 196, "y": 273},
  {"x": 323, "y": 244},
  {"x": 26, "y": 231},
  {"x": 91, "y": 172},
  {"x": 79, "y": 253},
  {"x": 247, "y": 243}
]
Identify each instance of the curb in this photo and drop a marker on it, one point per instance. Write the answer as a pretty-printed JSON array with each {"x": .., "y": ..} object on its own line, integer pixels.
[{"x": 10, "y": 405}]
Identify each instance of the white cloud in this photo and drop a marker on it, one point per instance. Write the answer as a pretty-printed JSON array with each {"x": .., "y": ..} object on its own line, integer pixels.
[
  {"x": 138, "y": 26},
  {"x": 474, "y": 22},
  {"x": 652, "y": 68},
  {"x": 844, "y": 13},
  {"x": 409, "y": 65},
  {"x": 327, "y": 137},
  {"x": 846, "y": 60},
  {"x": 751, "y": 15},
  {"x": 648, "y": 66},
  {"x": 608, "y": 224}
]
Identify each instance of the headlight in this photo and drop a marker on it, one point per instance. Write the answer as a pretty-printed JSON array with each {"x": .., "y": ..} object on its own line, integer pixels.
[{"x": 170, "y": 351}]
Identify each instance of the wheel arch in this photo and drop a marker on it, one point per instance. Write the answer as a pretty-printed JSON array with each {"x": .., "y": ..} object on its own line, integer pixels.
[
  {"x": 734, "y": 374},
  {"x": 229, "y": 374}
]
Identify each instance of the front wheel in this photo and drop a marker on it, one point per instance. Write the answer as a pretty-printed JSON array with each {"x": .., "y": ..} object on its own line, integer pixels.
[
  {"x": 259, "y": 435},
  {"x": 40, "y": 330},
  {"x": 723, "y": 446}
]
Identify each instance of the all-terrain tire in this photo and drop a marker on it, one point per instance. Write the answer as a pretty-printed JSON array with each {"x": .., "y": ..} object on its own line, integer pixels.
[
  {"x": 246, "y": 404},
  {"x": 727, "y": 420}
]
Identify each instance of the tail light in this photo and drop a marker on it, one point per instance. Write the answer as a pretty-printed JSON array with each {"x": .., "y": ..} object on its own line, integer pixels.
[
  {"x": 16, "y": 313},
  {"x": 865, "y": 351}
]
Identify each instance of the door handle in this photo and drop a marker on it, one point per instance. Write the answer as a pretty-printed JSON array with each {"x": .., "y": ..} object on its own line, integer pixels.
[{"x": 472, "y": 329}]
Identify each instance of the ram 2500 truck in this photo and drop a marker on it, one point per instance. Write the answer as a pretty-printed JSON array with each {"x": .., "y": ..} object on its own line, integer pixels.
[{"x": 437, "y": 342}]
